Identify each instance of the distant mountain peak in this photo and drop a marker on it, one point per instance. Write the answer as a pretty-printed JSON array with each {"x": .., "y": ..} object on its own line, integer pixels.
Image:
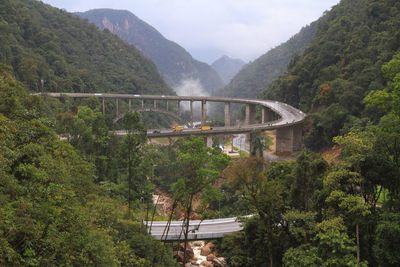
[
  {"x": 257, "y": 75},
  {"x": 227, "y": 67},
  {"x": 172, "y": 60}
]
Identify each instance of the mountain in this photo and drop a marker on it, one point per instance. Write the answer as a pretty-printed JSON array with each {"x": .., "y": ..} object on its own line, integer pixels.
[
  {"x": 257, "y": 75},
  {"x": 173, "y": 61},
  {"x": 227, "y": 67},
  {"x": 69, "y": 54},
  {"x": 341, "y": 66}
]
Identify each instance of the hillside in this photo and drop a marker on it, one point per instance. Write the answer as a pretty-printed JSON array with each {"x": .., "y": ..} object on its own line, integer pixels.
[
  {"x": 340, "y": 67},
  {"x": 52, "y": 213},
  {"x": 227, "y": 67},
  {"x": 69, "y": 54},
  {"x": 257, "y": 75},
  {"x": 173, "y": 61}
]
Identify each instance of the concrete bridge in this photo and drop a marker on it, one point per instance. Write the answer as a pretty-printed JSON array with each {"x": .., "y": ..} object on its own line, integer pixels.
[
  {"x": 198, "y": 230},
  {"x": 285, "y": 119}
]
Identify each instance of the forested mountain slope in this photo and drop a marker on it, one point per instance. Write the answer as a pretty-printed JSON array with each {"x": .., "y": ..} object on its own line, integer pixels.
[
  {"x": 70, "y": 54},
  {"x": 52, "y": 213},
  {"x": 340, "y": 67},
  {"x": 257, "y": 75},
  {"x": 172, "y": 60}
]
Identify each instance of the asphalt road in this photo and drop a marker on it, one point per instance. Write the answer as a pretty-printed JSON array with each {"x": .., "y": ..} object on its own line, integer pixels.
[{"x": 198, "y": 230}]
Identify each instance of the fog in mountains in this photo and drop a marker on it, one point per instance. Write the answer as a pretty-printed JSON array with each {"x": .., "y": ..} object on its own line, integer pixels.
[
  {"x": 177, "y": 66},
  {"x": 227, "y": 67}
]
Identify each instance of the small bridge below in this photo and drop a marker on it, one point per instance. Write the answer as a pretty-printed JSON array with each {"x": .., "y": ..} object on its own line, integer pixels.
[{"x": 198, "y": 230}]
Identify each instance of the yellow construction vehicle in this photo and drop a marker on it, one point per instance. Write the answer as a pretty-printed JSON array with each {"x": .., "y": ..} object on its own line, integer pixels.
[
  {"x": 205, "y": 127},
  {"x": 178, "y": 128}
]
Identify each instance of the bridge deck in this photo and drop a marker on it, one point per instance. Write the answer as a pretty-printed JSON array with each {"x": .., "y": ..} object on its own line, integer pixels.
[{"x": 198, "y": 230}]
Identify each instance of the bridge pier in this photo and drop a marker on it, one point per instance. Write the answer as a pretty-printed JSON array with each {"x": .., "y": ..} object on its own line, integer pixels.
[
  {"x": 104, "y": 107},
  {"x": 227, "y": 114},
  {"x": 266, "y": 115},
  {"x": 142, "y": 103},
  {"x": 208, "y": 142},
  {"x": 179, "y": 108},
  {"x": 167, "y": 105},
  {"x": 250, "y": 114},
  {"x": 129, "y": 105},
  {"x": 155, "y": 104},
  {"x": 203, "y": 112},
  {"x": 288, "y": 139}
]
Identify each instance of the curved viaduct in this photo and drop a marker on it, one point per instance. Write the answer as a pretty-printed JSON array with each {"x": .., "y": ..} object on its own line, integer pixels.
[{"x": 283, "y": 118}]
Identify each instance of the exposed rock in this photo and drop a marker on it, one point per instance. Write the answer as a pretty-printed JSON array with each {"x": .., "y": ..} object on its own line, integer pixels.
[
  {"x": 219, "y": 262},
  {"x": 197, "y": 243},
  {"x": 178, "y": 255},
  {"x": 207, "y": 249},
  {"x": 189, "y": 251},
  {"x": 207, "y": 264},
  {"x": 210, "y": 257},
  {"x": 182, "y": 246}
]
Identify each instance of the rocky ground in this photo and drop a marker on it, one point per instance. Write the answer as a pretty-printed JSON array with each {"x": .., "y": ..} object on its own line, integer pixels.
[{"x": 200, "y": 253}]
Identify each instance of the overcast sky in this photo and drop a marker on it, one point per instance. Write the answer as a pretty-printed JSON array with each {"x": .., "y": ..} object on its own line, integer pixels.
[{"x": 208, "y": 29}]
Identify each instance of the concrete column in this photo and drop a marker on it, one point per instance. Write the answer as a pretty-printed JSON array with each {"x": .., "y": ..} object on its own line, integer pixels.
[
  {"x": 179, "y": 107},
  {"x": 167, "y": 105},
  {"x": 289, "y": 139},
  {"x": 297, "y": 137},
  {"x": 155, "y": 104},
  {"x": 104, "y": 107},
  {"x": 208, "y": 141},
  {"x": 250, "y": 114},
  {"x": 227, "y": 114},
  {"x": 129, "y": 105},
  {"x": 191, "y": 113},
  {"x": 284, "y": 139},
  {"x": 203, "y": 112},
  {"x": 267, "y": 115},
  {"x": 275, "y": 116},
  {"x": 116, "y": 102},
  {"x": 142, "y": 103}
]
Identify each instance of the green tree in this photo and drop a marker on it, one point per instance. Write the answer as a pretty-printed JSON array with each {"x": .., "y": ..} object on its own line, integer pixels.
[
  {"x": 308, "y": 172},
  {"x": 198, "y": 167},
  {"x": 354, "y": 208},
  {"x": 131, "y": 147},
  {"x": 259, "y": 142},
  {"x": 265, "y": 195},
  {"x": 387, "y": 237}
]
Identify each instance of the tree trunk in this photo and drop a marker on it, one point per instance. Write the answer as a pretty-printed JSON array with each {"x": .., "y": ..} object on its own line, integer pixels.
[
  {"x": 147, "y": 212},
  {"x": 129, "y": 186},
  {"x": 152, "y": 216},
  {"x": 358, "y": 246},
  {"x": 270, "y": 256},
  {"x": 188, "y": 210},
  {"x": 166, "y": 229}
]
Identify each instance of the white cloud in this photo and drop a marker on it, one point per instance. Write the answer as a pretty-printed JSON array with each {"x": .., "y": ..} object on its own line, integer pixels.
[{"x": 239, "y": 28}]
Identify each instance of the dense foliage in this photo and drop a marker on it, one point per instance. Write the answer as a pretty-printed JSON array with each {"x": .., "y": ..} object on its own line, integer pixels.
[
  {"x": 172, "y": 60},
  {"x": 340, "y": 67},
  {"x": 52, "y": 50},
  {"x": 311, "y": 213},
  {"x": 52, "y": 212},
  {"x": 256, "y": 76}
]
